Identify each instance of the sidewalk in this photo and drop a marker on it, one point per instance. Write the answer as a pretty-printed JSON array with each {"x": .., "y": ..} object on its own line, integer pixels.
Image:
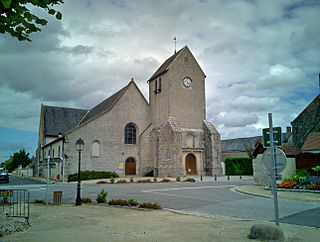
[
  {"x": 103, "y": 223},
  {"x": 258, "y": 190}
]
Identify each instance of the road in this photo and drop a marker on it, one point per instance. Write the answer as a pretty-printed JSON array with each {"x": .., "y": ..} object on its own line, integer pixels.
[{"x": 210, "y": 199}]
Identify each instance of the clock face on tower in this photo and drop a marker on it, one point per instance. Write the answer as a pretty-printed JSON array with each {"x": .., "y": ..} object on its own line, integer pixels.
[{"x": 187, "y": 81}]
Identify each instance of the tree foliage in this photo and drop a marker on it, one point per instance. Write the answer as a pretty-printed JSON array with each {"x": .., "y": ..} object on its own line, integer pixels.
[
  {"x": 16, "y": 19},
  {"x": 18, "y": 158}
]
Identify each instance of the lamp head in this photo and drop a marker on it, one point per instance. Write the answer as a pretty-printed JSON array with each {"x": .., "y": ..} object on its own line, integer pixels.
[{"x": 80, "y": 144}]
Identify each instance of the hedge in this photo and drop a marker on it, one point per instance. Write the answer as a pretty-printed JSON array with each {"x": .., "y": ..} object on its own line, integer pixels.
[
  {"x": 89, "y": 175},
  {"x": 238, "y": 165}
]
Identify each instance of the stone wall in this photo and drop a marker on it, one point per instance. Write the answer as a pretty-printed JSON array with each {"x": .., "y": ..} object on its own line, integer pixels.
[
  {"x": 212, "y": 139},
  {"x": 167, "y": 150},
  {"x": 145, "y": 151},
  {"x": 260, "y": 175},
  {"x": 108, "y": 130}
]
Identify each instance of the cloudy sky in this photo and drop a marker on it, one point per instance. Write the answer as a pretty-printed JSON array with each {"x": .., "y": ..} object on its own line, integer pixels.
[{"x": 259, "y": 57}]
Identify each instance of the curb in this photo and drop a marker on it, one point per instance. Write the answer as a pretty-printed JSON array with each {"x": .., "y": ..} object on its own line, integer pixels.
[{"x": 252, "y": 193}]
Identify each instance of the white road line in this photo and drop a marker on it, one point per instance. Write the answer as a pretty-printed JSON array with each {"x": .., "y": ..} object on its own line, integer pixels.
[{"x": 186, "y": 188}]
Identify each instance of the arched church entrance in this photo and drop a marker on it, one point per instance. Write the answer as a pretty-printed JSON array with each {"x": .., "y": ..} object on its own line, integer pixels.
[
  {"x": 191, "y": 165},
  {"x": 130, "y": 168}
]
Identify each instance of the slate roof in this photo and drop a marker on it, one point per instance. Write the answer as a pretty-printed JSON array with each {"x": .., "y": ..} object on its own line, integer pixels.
[
  {"x": 317, "y": 99},
  {"x": 60, "y": 119},
  {"x": 242, "y": 144},
  {"x": 239, "y": 145},
  {"x": 104, "y": 105},
  {"x": 164, "y": 67},
  {"x": 312, "y": 142}
]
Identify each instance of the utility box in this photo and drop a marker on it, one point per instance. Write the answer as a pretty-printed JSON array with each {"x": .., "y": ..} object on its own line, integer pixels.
[{"x": 57, "y": 197}]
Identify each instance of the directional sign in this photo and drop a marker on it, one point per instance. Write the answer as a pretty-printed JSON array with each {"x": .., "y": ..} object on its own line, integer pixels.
[
  {"x": 277, "y": 137},
  {"x": 281, "y": 160}
]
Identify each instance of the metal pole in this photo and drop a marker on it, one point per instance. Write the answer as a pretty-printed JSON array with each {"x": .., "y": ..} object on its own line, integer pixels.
[
  {"x": 48, "y": 174},
  {"x": 78, "y": 199},
  {"x": 273, "y": 171}
]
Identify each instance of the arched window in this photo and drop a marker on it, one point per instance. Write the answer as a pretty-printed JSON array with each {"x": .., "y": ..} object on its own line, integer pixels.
[
  {"x": 95, "y": 149},
  {"x": 53, "y": 153},
  {"x": 130, "y": 136}
]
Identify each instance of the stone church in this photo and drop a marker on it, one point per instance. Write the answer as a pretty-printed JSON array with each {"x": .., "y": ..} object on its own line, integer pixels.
[{"x": 131, "y": 136}]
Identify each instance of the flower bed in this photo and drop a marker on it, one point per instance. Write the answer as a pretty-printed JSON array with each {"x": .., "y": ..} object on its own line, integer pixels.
[
  {"x": 302, "y": 183},
  {"x": 134, "y": 203}
]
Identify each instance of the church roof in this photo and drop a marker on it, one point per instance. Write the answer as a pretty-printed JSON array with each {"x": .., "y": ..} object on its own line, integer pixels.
[
  {"x": 103, "y": 106},
  {"x": 61, "y": 119},
  {"x": 164, "y": 67},
  {"x": 239, "y": 145}
]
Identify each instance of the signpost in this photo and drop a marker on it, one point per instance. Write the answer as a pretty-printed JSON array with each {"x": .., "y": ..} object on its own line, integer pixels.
[{"x": 272, "y": 138}]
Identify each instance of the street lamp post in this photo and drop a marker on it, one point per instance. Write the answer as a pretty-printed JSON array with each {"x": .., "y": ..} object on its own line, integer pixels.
[{"x": 79, "y": 144}]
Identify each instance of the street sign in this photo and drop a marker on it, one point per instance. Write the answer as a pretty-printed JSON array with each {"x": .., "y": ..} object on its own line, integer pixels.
[
  {"x": 281, "y": 160},
  {"x": 6, "y": 193},
  {"x": 277, "y": 137}
]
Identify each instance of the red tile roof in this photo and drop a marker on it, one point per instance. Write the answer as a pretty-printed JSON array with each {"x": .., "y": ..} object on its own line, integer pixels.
[{"x": 312, "y": 142}]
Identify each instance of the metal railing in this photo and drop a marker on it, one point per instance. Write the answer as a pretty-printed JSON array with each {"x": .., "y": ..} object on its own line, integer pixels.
[{"x": 15, "y": 202}]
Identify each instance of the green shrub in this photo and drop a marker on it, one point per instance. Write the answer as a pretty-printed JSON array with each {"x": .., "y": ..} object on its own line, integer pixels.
[
  {"x": 178, "y": 178},
  {"x": 121, "y": 181},
  {"x": 131, "y": 180},
  {"x": 111, "y": 180},
  {"x": 238, "y": 165},
  {"x": 302, "y": 173},
  {"x": 316, "y": 170},
  {"x": 149, "y": 205},
  {"x": 149, "y": 174},
  {"x": 101, "y": 198},
  {"x": 189, "y": 180},
  {"x": 119, "y": 202},
  {"x": 89, "y": 175},
  {"x": 155, "y": 179},
  {"x": 86, "y": 200},
  {"x": 4, "y": 200},
  {"x": 144, "y": 181},
  {"x": 133, "y": 202}
]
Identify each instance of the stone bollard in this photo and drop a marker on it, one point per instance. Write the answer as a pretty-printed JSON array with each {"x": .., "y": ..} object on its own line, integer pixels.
[{"x": 266, "y": 232}]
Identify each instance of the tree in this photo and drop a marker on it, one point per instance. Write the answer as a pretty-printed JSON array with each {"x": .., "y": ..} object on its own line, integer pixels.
[
  {"x": 16, "y": 19},
  {"x": 18, "y": 158}
]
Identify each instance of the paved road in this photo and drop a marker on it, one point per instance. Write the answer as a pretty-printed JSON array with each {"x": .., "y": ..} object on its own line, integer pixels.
[{"x": 211, "y": 198}]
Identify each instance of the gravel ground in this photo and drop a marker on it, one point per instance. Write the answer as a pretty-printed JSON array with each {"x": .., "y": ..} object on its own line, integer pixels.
[
  {"x": 10, "y": 225},
  {"x": 105, "y": 223}
]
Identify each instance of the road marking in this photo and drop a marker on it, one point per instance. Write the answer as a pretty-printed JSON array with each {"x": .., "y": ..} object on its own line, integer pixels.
[{"x": 186, "y": 188}]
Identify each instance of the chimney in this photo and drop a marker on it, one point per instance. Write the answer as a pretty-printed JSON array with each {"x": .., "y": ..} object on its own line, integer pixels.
[{"x": 288, "y": 129}]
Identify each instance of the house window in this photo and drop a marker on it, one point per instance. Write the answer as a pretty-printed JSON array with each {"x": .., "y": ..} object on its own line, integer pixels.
[
  {"x": 156, "y": 87},
  {"x": 95, "y": 149},
  {"x": 53, "y": 153},
  {"x": 45, "y": 154},
  {"x": 59, "y": 151},
  {"x": 130, "y": 134},
  {"x": 160, "y": 86}
]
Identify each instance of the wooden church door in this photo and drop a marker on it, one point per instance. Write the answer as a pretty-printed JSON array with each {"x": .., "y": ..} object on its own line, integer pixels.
[
  {"x": 191, "y": 166},
  {"x": 130, "y": 168}
]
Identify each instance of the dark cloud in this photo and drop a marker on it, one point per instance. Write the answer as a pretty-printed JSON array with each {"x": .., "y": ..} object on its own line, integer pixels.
[{"x": 259, "y": 57}]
